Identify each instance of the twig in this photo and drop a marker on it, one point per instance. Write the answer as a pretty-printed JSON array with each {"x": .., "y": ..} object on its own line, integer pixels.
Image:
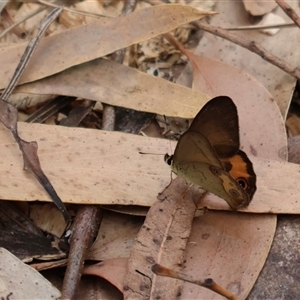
[
  {"x": 109, "y": 114},
  {"x": 109, "y": 118},
  {"x": 252, "y": 46},
  {"x": 256, "y": 27},
  {"x": 289, "y": 11},
  {"x": 85, "y": 229},
  {"x": 206, "y": 283},
  {"x": 49, "y": 109}
]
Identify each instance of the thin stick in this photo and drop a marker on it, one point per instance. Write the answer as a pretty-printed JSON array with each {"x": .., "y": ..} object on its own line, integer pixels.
[
  {"x": 109, "y": 113},
  {"x": 28, "y": 53},
  {"x": 84, "y": 231},
  {"x": 256, "y": 27},
  {"x": 289, "y": 11},
  {"x": 206, "y": 283},
  {"x": 252, "y": 46}
]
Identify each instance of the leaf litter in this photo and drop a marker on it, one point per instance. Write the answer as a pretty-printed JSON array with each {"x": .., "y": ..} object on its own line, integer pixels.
[
  {"x": 9, "y": 116},
  {"x": 262, "y": 152}
]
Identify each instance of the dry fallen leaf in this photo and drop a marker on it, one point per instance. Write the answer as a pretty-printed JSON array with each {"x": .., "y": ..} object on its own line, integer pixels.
[
  {"x": 23, "y": 238},
  {"x": 207, "y": 283},
  {"x": 256, "y": 128},
  {"x": 48, "y": 218},
  {"x": 230, "y": 248},
  {"x": 113, "y": 270},
  {"x": 259, "y": 7},
  {"x": 70, "y": 154},
  {"x": 115, "y": 84},
  {"x": 162, "y": 239},
  {"x": 115, "y": 237},
  {"x": 96, "y": 39},
  {"x": 9, "y": 117},
  {"x": 63, "y": 142},
  {"x": 216, "y": 78},
  {"x": 20, "y": 281},
  {"x": 279, "y": 84},
  {"x": 271, "y": 19}
]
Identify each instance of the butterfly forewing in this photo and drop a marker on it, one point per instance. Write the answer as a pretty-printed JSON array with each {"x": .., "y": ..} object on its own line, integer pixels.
[
  {"x": 194, "y": 147},
  {"x": 218, "y": 122}
]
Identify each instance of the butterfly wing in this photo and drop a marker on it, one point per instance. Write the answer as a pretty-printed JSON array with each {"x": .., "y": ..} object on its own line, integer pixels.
[
  {"x": 240, "y": 167},
  {"x": 196, "y": 161},
  {"x": 194, "y": 147},
  {"x": 218, "y": 122}
]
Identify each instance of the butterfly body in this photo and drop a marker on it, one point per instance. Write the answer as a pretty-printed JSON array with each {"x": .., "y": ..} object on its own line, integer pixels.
[{"x": 208, "y": 154}]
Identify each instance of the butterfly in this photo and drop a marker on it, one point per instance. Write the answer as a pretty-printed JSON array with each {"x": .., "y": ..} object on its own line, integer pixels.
[{"x": 208, "y": 154}]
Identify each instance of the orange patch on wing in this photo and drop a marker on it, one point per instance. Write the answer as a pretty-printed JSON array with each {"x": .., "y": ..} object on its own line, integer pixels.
[{"x": 239, "y": 167}]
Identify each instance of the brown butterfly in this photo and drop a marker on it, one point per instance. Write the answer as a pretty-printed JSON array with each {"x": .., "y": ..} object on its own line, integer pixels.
[{"x": 208, "y": 154}]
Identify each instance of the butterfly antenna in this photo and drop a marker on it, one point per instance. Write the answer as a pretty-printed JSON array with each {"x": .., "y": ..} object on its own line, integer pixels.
[{"x": 145, "y": 153}]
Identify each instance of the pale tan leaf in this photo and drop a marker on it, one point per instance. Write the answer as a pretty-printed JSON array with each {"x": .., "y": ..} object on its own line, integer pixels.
[
  {"x": 48, "y": 218},
  {"x": 230, "y": 248},
  {"x": 228, "y": 266},
  {"x": 280, "y": 85},
  {"x": 259, "y": 7},
  {"x": 253, "y": 101},
  {"x": 115, "y": 84},
  {"x": 219, "y": 78},
  {"x": 271, "y": 19},
  {"x": 30, "y": 25},
  {"x": 115, "y": 237},
  {"x": 25, "y": 101},
  {"x": 230, "y": 270},
  {"x": 9, "y": 117},
  {"x": 82, "y": 163},
  {"x": 162, "y": 239},
  {"x": 20, "y": 281},
  {"x": 94, "y": 40}
]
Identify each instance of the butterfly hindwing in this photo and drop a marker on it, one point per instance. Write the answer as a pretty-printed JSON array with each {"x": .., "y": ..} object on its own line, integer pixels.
[
  {"x": 240, "y": 167},
  {"x": 196, "y": 161}
]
